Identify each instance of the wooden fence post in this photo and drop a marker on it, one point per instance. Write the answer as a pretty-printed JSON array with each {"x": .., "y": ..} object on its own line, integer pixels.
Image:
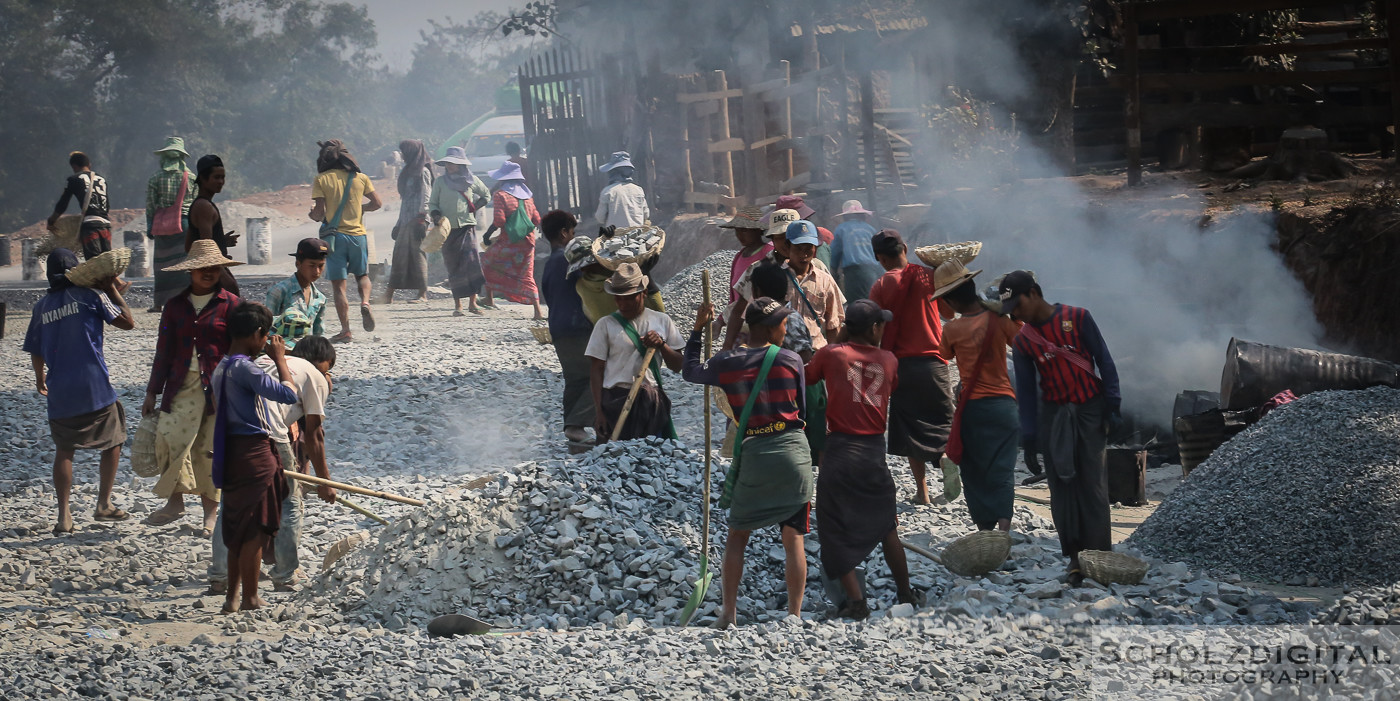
[
  {"x": 1392, "y": 38},
  {"x": 867, "y": 126},
  {"x": 726, "y": 168},
  {"x": 1132, "y": 114}
]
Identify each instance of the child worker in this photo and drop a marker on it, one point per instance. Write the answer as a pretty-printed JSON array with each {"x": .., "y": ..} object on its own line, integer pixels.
[
  {"x": 855, "y": 491},
  {"x": 765, "y": 388},
  {"x": 298, "y": 308},
  {"x": 616, "y": 348},
  {"x": 247, "y": 465}
]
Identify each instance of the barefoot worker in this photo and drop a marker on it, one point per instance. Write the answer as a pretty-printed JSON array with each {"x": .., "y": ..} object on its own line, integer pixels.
[
  {"x": 978, "y": 341},
  {"x": 617, "y": 346},
  {"x": 769, "y": 482},
  {"x": 65, "y": 334},
  {"x": 193, "y": 339},
  {"x": 921, "y": 409},
  {"x": 855, "y": 492},
  {"x": 298, "y": 294},
  {"x": 295, "y": 429},
  {"x": 1062, "y": 345},
  {"x": 247, "y": 466}
]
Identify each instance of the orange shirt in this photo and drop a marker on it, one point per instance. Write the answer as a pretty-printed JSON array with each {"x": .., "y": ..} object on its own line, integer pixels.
[{"x": 963, "y": 341}]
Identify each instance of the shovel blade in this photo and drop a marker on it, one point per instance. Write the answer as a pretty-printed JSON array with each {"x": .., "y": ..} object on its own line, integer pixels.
[
  {"x": 457, "y": 624},
  {"x": 696, "y": 597}
]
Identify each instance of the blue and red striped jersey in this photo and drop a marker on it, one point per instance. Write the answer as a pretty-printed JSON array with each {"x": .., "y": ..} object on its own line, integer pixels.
[
  {"x": 781, "y": 404},
  {"x": 1070, "y": 330}
]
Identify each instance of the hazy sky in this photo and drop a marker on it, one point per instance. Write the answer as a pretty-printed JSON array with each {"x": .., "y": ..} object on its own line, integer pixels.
[{"x": 398, "y": 21}]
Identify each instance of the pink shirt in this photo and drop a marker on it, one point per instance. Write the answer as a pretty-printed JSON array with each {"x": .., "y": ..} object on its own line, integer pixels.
[{"x": 742, "y": 263}]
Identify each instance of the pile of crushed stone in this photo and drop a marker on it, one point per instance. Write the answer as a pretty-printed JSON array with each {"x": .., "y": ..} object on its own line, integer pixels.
[
  {"x": 1309, "y": 495},
  {"x": 684, "y": 292}
]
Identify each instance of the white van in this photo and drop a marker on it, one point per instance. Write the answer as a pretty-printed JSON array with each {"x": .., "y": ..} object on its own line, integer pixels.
[{"x": 486, "y": 147}]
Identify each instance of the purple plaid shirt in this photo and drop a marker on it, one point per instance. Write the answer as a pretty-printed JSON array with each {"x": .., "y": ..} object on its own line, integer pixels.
[{"x": 182, "y": 334}]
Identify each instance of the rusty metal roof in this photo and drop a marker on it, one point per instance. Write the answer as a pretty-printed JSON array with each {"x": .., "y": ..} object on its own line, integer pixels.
[{"x": 876, "y": 16}]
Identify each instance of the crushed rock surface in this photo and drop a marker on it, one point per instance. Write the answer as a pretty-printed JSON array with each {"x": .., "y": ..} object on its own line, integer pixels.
[{"x": 1310, "y": 494}]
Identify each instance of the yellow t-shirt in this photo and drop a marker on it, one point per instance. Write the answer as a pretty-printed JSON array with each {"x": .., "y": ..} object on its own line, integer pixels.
[{"x": 330, "y": 187}]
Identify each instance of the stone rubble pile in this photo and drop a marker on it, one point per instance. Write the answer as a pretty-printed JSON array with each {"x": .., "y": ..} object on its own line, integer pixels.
[
  {"x": 1309, "y": 495},
  {"x": 684, "y": 292},
  {"x": 1379, "y": 606},
  {"x": 614, "y": 536}
]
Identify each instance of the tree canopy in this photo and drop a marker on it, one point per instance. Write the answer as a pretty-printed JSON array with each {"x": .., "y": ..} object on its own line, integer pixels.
[{"x": 257, "y": 82}]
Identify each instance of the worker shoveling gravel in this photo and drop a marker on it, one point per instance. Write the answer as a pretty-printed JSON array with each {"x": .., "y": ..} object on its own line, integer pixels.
[{"x": 1310, "y": 494}]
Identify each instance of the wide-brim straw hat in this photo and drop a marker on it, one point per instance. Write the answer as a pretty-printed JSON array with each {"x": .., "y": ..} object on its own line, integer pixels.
[
  {"x": 746, "y": 217},
  {"x": 102, "y": 267},
  {"x": 203, "y": 254},
  {"x": 628, "y": 280},
  {"x": 948, "y": 276}
]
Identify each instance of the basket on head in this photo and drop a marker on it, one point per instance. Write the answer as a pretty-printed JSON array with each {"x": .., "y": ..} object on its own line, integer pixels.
[
  {"x": 978, "y": 553},
  {"x": 105, "y": 266},
  {"x": 143, "y": 447},
  {"x": 1106, "y": 567},
  {"x": 541, "y": 334},
  {"x": 632, "y": 244},
  {"x": 940, "y": 253}
]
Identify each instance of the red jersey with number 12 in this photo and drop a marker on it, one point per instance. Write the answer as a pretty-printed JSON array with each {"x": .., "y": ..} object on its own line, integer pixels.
[{"x": 859, "y": 380}]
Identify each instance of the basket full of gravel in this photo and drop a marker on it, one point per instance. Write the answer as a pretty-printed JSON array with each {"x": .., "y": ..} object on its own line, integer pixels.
[{"x": 1312, "y": 491}]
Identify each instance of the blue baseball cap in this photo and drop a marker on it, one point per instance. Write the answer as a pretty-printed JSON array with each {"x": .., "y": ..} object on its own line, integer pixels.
[{"x": 803, "y": 231}]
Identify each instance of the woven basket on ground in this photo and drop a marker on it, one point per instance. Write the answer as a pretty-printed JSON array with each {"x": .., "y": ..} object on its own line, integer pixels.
[
  {"x": 978, "y": 553},
  {"x": 94, "y": 270},
  {"x": 1107, "y": 567},
  {"x": 940, "y": 253},
  {"x": 143, "y": 447},
  {"x": 638, "y": 240},
  {"x": 541, "y": 334}
]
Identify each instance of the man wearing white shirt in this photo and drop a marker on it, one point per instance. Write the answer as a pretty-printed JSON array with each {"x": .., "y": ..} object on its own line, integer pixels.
[{"x": 623, "y": 202}]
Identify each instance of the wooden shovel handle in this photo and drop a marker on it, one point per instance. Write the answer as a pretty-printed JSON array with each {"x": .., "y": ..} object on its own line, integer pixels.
[
  {"x": 353, "y": 489},
  {"x": 632, "y": 393}
]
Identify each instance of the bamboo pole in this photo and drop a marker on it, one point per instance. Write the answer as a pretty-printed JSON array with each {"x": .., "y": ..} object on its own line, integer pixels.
[{"x": 353, "y": 489}]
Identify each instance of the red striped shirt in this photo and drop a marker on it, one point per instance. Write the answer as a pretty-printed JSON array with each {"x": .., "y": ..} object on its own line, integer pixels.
[{"x": 1061, "y": 381}]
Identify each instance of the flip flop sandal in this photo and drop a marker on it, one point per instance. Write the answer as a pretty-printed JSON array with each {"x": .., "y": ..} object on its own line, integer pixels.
[
  {"x": 60, "y": 530},
  {"x": 342, "y": 337},
  {"x": 113, "y": 515},
  {"x": 458, "y": 312},
  {"x": 366, "y": 318}
]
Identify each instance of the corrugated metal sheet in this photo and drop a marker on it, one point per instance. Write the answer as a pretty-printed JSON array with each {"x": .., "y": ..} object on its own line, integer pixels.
[{"x": 894, "y": 16}]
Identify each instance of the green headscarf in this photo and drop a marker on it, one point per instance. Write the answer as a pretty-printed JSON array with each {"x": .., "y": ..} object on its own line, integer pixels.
[{"x": 172, "y": 161}]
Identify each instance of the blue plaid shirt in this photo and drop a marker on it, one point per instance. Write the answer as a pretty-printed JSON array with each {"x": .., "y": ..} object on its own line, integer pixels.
[{"x": 287, "y": 295}]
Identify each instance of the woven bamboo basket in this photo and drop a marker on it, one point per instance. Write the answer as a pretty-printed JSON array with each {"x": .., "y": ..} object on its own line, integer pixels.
[
  {"x": 64, "y": 235},
  {"x": 143, "y": 447},
  {"x": 541, "y": 334},
  {"x": 110, "y": 264},
  {"x": 1107, "y": 567},
  {"x": 639, "y": 253},
  {"x": 940, "y": 253},
  {"x": 978, "y": 553}
]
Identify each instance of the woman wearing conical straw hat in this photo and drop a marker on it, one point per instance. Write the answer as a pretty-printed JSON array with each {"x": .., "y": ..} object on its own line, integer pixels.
[{"x": 193, "y": 339}]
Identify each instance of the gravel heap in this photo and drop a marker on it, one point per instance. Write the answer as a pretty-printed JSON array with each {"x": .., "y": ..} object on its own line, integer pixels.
[
  {"x": 613, "y": 536},
  {"x": 1368, "y": 607},
  {"x": 558, "y": 544},
  {"x": 684, "y": 292},
  {"x": 1310, "y": 494}
]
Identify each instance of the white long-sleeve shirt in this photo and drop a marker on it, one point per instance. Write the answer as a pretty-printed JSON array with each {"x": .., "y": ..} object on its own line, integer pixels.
[{"x": 622, "y": 204}]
